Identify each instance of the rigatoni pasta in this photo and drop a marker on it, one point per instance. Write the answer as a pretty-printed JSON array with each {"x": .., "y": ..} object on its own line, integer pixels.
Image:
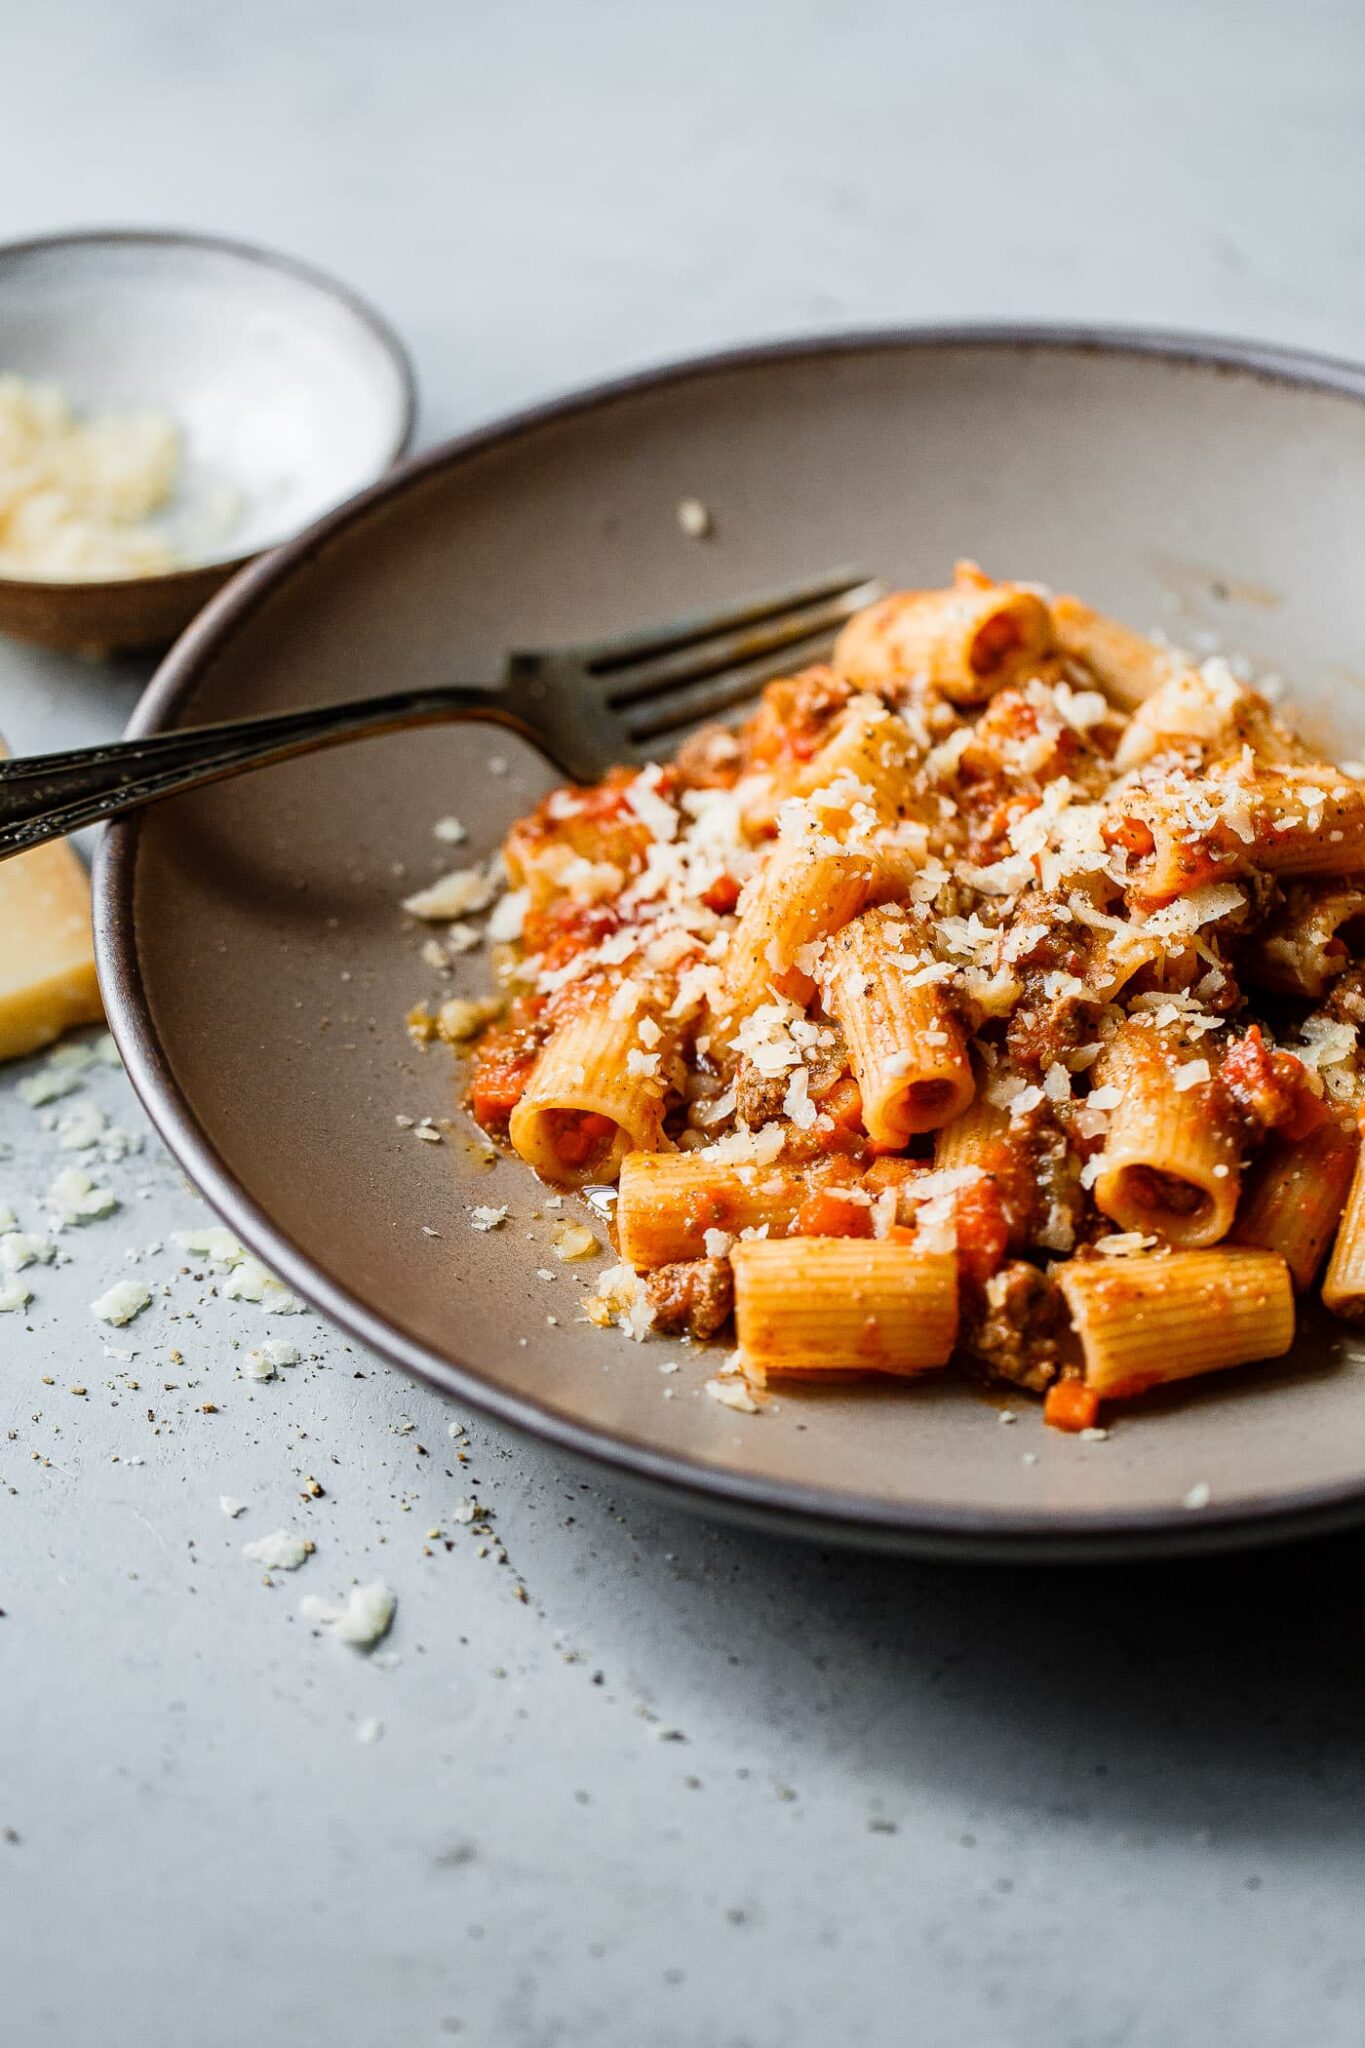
[
  {"x": 586, "y": 1102},
  {"x": 1162, "y": 1316},
  {"x": 906, "y": 1047},
  {"x": 1294, "y": 1199},
  {"x": 677, "y": 1205},
  {"x": 807, "y": 888},
  {"x": 1172, "y": 1158},
  {"x": 990, "y": 999},
  {"x": 967, "y": 641},
  {"x": 838, "y": 1306},
  {"x": 1343, "y": 1290}
]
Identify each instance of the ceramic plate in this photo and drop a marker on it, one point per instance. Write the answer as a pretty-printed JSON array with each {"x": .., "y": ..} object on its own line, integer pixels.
[{"x": 257, "y": 968}]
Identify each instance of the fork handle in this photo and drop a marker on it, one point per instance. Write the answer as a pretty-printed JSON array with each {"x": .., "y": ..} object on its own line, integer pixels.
[{"x": 46, "y": 796}]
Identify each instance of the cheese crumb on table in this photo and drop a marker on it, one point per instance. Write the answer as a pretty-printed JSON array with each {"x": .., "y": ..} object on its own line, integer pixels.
[
  {"x": 363, "y": 1618},
  {"x": 280, "y": 1551},
  {"x": 75, "y": 1199},
  {"x": 249, "y": 1280},
  {"x": 121, "y": 1302}
]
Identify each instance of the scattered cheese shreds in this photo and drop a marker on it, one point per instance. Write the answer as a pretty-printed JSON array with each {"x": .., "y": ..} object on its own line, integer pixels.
[
  {"x": 264, "y": 1360},
  {"x": 455, "y": 895},
  {"x": 732, "y": 1393},
  {"x": 249, "y": 1280},
  {"x": 18, "y": 1249},
  {"x": 75, "y": 1199},
  {"x": 281, "y": 1551},
  {"x": 573, "y": 1241},
  {"x": 215, "y": 1243},
  {"x": 121, "y": 1302},
  {"x": 362, "y": 1619}
]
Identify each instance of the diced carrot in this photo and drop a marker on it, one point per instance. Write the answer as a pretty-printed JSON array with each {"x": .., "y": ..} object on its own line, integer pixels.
[
  {"x": 900, "y": 1233},
  {"x": 892, "y": 1172},
  {"x": 566, "y": 929},
  {"x": 983, "y": 1231},
  {"x": 578, "y": 1134},
  {"x": 827, "y": 1213},
  {"x": 844, "y": 1103},
  {"x": 1132, "y": 835},
  {"x": 722, "y": 896},
  {"x": 1071, "y": 1405},
  {"x": 499, "y": 1086}
]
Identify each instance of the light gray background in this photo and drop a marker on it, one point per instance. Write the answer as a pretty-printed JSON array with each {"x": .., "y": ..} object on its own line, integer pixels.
[{"x": 899, "y": 1804}]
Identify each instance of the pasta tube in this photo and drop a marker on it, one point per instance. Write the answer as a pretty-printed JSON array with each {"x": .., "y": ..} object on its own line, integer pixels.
[
  {"x": 870, "y": 747},
  {"x": 1127, "y": 667},
  {"x": 974, "y": 1138},
  {"x": 1308, "y": 941},
  {"x": 1157, "y": 1317},
  {"x": 1295, "y": 1196},
  {"x": 1289, "y": 821},
  {"x": 806, "y": 888},
  {"x": 967, "y": 641},
  {"x": 668, "y": 1201},
  {"x": 842, "y": 1305},
  {"x": 1343, "y": 1289},
  {"x": 589, "y": 1100},
  {"x": 907, "y": 1049},
  {"x": 1171, "y": 1161}
]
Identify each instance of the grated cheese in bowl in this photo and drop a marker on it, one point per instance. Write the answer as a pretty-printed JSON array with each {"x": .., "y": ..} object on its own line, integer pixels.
[{"x": 77, "y": 495}]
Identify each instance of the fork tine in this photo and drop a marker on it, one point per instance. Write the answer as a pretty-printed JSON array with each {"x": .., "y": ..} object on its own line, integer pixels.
[
  {"x": 726, "y": 651},
  {"x": 695, "y": 702},
  {"x": 625, "y": 650}
]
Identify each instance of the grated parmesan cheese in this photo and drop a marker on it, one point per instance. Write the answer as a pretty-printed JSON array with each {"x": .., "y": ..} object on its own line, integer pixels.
[
  {"x": 362, "y": 1619},
  {"x": 281, "y": 1551},
  {"x": 454, "y": 895},
  {"x": 78, "y": 496},
  {"x": 121, "y": 1302}
]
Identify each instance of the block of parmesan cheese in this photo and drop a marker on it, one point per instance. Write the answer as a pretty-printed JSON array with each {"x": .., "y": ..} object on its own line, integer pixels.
[{"x": 47, "y": 958}]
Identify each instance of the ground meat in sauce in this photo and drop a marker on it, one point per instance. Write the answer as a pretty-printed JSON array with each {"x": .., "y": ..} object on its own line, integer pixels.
[
  {"x": 694, "y": 1296},
  {"x": 710, "y": 759},
  {"x": 1016, "y": 1326},
  {"x": 758, "y": 1097},
  {"x": 1346, "y": 1003},
  {"x": 1039, "y": 1034},
  {"x": 1266, "y": 1087},
  {"x": 794, "y": 716}
]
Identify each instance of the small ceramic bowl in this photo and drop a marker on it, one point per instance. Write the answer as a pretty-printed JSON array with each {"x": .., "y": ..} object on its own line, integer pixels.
[{"x": 289, "y": 392}]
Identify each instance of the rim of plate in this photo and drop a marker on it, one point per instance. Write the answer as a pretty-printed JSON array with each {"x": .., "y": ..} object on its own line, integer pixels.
[
  {"x": 831, "y": 1515},
  {"x": 266, "y": 259}
]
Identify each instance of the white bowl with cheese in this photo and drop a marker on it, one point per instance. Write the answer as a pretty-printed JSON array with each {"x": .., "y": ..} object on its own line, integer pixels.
[{"x": 171, "y": 406}]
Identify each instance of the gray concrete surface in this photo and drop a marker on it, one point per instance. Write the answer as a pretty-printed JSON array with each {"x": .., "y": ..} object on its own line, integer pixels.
[{"x": 698, "y": 1788}]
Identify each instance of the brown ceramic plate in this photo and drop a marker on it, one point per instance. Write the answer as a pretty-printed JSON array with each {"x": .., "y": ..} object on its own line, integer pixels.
[{"x": 257, "y": 970}]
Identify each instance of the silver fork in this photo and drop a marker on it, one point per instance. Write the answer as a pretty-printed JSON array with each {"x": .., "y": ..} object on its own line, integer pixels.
[{"x": 584, "y": 707}]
